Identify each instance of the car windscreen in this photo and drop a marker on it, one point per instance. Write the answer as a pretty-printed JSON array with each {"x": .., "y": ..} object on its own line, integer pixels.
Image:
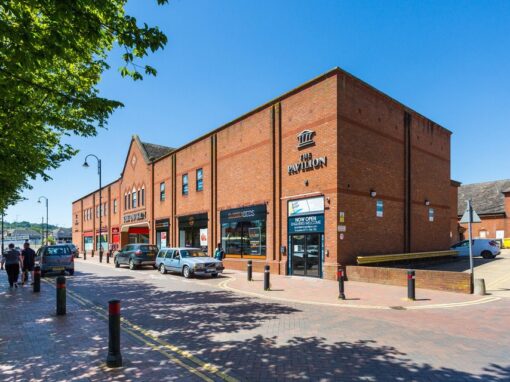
[
  {"x": 149, "y": 248},
  {"x": 192, "y": 253},
  {"x": 57, "y": 251}
]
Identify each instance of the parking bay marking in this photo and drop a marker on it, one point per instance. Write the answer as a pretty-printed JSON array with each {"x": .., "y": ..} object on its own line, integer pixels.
[{"x": 130, "y": 328}]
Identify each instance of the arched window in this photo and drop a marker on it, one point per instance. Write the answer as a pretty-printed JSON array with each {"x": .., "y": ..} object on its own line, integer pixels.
[
  {"x": 134, "y": 198},
  {"x": 142, "y": 200}
]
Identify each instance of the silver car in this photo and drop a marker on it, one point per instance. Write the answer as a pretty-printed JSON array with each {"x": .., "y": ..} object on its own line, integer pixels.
[{"x": 188, "y": 261}]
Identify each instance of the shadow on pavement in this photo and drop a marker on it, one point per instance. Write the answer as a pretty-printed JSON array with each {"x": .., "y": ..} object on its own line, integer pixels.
[{"x": 203, "y": 322}]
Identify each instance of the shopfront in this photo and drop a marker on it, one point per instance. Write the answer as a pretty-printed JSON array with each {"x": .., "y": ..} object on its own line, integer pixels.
[
  {"x": 115, "y": 244},
  {"x": 103, "y": 236},
  {"x": 162, "y": 233},
  {"x": 243, "y": 232},
  {"x": 88, "y": 241},
  {"x": 191, "y": 229},
  {"x": 306, "y": 236}
]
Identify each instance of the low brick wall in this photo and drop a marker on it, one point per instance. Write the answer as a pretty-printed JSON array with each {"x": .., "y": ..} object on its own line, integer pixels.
[{"x": 459, "y": 282}]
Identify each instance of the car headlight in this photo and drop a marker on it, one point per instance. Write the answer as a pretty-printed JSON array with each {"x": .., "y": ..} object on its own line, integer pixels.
[
  {"x": 199, "y": 266},
  {"x": 219, "y": 265}
]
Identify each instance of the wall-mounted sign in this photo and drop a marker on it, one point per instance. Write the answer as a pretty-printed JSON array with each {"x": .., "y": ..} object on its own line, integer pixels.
[
  {"x": 115, "y": 231},
  {"x": 431, "y": 214},
  {"x": 244, "y": 214},
  {"x": 342, "y": 228},
  {"x": 307, "y": 163},
  {"x": 306, "y": 206},
  {"x": 305, "y": 138},
  {"x": 379, "y": 209},
  {"x": 341, "y": 217},
  {"x": 104, "y": 230},
  {"x": 134, "y": 217},
  {"x": 162, "y": 224},
  {"x": 302, "y": 224}
]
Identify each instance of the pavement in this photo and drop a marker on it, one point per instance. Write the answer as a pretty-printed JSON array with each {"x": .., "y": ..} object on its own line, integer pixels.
[
  {"x": 313, "y": 291},
  {"x": 217, "y": 329}
]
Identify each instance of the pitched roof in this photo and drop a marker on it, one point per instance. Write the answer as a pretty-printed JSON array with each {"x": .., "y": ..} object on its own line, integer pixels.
[
  {"x": 154, "y": 151},
  {"x": 487, "y": 198}
]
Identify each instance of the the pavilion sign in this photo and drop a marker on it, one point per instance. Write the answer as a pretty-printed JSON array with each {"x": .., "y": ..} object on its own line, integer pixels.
[
  {"x": 134, "y": 217},
  {"x": 307, "y": 163}
]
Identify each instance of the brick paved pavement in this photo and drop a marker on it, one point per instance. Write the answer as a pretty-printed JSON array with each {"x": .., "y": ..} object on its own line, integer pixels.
[
  {"x": 264, "y": 340},
  {"x": 36, "y": 345}
]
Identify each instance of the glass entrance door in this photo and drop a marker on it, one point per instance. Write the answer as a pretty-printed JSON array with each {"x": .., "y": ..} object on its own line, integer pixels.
[{"x": 306, "y": 254}]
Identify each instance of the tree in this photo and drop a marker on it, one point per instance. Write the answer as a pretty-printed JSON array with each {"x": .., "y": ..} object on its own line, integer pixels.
[{"x": 52, "y": 55}]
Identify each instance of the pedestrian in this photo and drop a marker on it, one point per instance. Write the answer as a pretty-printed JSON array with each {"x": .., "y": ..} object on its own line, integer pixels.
[
  {"x": 12, "y": 262},
  {"x": 28, "y": 262},
  {"x": 219, "y": 253}
]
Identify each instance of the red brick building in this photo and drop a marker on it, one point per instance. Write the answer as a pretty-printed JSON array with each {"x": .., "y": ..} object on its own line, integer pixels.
[
  {"x": 306, "y": 182},
  {"x": 491, "y": 201}
]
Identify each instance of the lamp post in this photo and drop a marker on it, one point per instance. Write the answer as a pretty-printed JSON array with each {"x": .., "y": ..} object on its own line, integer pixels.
[
  {"x": 46, "y": 201},
  {"x": 2, "y": 233},
  {"x": 86, "y": 165}
]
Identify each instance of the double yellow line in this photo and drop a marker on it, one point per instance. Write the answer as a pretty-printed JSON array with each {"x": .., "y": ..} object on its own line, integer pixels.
[{"x": 186, "y": 359}]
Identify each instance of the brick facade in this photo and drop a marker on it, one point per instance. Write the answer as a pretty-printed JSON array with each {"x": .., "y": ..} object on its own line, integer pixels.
[{"x": 374, "y": 150}]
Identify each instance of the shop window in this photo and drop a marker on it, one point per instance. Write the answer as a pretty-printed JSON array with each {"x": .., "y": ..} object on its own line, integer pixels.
[
  {"x": 139, "y": 199},
  {"x": 243, "y": 231},
  {"x": 185, "y": 184},
  {"x": 114, "y": 206},
  {"x": 200, "y": 179},
  {"x": 134, "y": 198},
  {"x": 88, "y": 243},
  {"x": 142, "y": 199},
  {"x": 162, "y": 193}
]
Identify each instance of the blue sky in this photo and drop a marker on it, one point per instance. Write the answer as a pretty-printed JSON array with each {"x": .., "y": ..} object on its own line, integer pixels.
[{"x": 449, "y": 60}]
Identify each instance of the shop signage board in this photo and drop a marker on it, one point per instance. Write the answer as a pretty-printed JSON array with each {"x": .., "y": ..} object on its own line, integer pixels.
[
  {"x": 163, "y": 239},
  {"x": 306, "y": 206},
  {"x": 379, "y": 209},
  {"x": 306, "y": 224},
  {"x": 134, "y": 217},
  {"x": 307, "y": 163},
  {"x": 244, "y": 213}
]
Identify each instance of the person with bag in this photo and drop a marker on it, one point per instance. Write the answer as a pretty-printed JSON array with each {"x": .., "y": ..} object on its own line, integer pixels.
[{"x": 12, "y": 262}]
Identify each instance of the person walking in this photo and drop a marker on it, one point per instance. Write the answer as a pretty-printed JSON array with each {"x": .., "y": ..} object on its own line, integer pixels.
[
  {"x": 219, "y": 253},
  {"x": 12, "y": 262},
  {"x": 28, "y": 262}
]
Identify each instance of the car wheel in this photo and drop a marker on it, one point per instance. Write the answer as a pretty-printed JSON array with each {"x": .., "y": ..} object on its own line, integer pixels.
[
  {"x": 186, "y": 272},
  {"x": 71, "y": 272},
  {"x": 214, "y": 275},
  {"x": 131, "y": 264},
  {"x": 162, "y": 269},
  {"x": 487, "y": 255},
  {"x": 117, "y": 265}
]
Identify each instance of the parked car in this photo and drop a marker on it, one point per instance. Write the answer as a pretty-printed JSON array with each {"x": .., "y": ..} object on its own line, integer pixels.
[
  {"x": 73, "y": 249},
  {"x": 188, "y": 262},
  {"x": 136, "y": 255},
  {"x": 487, "y": 248},
  {"x": 55, "y": 258}
]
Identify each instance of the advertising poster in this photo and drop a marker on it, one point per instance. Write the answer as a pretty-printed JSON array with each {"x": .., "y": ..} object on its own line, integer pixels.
[
  {"x": 306, "y": 206},
  {"x": 163, "y": 239},
  {"x": 203, "y": 237},
  {"x": 255, "y": 240}
]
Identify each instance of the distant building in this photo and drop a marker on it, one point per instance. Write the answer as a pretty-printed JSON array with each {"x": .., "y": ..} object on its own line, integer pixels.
[
  {"x": 491, "y": 201},
  {"x": 63, "y": 235},
  {"x": 19, "y": 236}
]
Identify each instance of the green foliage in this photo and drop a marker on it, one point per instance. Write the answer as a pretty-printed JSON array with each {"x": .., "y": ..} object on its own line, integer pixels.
[
  {"x": 27, "y": 225},
  {"x": 52, "y": 55}
]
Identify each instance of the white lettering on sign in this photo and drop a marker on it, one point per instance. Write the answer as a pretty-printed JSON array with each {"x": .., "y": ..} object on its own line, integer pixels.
[{"x": 307, "y": 163}]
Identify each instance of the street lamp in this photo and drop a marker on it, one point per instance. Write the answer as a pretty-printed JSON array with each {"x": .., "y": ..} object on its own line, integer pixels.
[
  {"x": 86, "y": 165},
  {"x": 46, "y": 201}
]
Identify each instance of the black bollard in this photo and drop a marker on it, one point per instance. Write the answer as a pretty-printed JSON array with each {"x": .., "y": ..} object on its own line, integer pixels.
[
  {"x": 61, "y": 295},
  {"x": 114, "y": 358},
  {"x": 37, "y": 279},
  {"x": 266, "y": 277},
  {"x": 108, "y": 257},
  {"x": 84, "y": 255},
  {"x": 100, "y": 255},
  {"x": 341, "y": 290},
  {"x": 250, "y": 270},
  {"x": 411, "y": 295}
]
